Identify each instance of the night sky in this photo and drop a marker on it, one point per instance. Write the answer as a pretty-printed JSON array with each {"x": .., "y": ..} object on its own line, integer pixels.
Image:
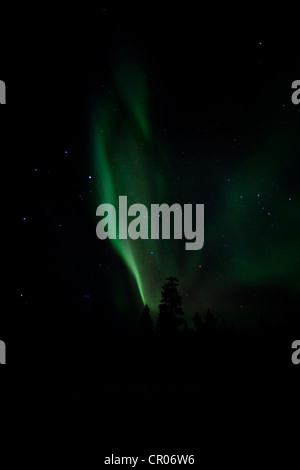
[{"x": 161, "y": 106}]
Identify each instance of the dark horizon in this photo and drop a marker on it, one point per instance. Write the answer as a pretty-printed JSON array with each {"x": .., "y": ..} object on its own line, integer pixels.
[{"x": 162, "y": 105}]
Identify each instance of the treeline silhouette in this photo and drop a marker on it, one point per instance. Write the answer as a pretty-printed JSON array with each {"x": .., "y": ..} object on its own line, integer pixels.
[
  {"x": 86, "y": 350},
  {"x": 166, "y": 351},
  {"x": 163, "y": 375},
  {"x": 173, "y": 352}
]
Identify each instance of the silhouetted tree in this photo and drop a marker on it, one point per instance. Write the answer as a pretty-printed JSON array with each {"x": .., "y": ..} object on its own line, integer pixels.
[
  {"x": 170, "y": 311},
  {"x": 145, "y": 325}
]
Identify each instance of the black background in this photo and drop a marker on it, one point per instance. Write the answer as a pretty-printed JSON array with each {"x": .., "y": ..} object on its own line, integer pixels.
[{"x": 48, "y": 61}]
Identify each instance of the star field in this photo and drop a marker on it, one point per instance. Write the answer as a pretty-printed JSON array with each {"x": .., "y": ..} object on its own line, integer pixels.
[{"x": 204, "y": 117}]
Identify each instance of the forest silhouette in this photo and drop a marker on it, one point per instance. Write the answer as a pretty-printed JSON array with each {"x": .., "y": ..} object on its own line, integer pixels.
[
  {"x": 162, "y": 375},
  {"x": 164, "y": 349}
]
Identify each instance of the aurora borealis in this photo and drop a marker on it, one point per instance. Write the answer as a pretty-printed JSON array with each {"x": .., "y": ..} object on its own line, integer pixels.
[
  {"x": 200, "y": 117},
  {"x": 249, "y": 199},
  {"x": 124, "y": 165},
  {"x": 158, "y": 104}
]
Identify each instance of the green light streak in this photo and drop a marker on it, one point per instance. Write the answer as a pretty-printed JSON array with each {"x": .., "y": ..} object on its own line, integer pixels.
[
  {"x": 108, "y": 194},
  {"x": 108, "y": 149},
  {"x": 244, "y": 246}
]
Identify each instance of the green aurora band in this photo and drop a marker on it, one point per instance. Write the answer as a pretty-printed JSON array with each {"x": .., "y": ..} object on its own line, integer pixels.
[
  {"x": 246, "y": 219},
  {"x": 127, "y": 163}
]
